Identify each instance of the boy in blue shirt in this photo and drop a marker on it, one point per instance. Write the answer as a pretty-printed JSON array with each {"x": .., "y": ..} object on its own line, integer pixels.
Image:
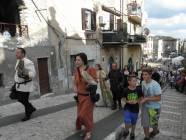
[{"x": 151, "y": 105}]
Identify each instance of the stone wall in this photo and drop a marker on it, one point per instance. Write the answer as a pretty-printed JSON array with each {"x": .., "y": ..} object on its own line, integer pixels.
[{"x": 7, "y": 67}]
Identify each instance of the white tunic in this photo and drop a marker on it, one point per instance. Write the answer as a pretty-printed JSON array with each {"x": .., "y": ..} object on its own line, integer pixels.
[{"x": 28, "y": 87}]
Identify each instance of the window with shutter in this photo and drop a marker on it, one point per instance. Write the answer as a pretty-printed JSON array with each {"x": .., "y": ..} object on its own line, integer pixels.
[
  {"x": 93, "y": 21},
  {"x": 111, "y": 22},
  {"x": 83, "y": 18},
  {"x": 88, "y": 19},
  {"x": 119, "y": 25}
]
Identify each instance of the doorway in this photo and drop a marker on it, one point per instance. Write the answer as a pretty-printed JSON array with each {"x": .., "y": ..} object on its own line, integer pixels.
[
  {"x": 43, "y": 75},
  {"x": 110, "y": 61}
]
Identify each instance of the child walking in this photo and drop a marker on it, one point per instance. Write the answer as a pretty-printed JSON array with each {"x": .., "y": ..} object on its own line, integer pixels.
[
  {"x": 132, "y": 95},
  {"x": 151, "y": 104}
]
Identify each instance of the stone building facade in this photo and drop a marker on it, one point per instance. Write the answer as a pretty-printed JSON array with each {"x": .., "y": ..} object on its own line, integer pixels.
[{"x": 53, "y": 32}]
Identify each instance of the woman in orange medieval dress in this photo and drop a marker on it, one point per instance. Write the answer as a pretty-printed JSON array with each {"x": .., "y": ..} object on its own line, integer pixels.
[{"x": 84, "y": 104}]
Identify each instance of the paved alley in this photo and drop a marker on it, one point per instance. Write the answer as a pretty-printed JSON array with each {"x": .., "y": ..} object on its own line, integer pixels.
[{"x": 59, "y": 124}]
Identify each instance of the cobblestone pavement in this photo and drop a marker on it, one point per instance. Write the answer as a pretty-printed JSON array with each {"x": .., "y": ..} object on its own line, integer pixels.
[
  {"x": 60, "y": 125},
  {"x": 55, "y": 126},
  {"x": 43, "y": 102}
]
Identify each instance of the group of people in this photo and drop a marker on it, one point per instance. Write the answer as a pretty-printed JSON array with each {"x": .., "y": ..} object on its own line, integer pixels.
[
  {"x": 175, "y": 78},
  {"x": 123, "y": 85},
  {"x": 148, "y": 97},
  {"x": 178, "y": 80}
]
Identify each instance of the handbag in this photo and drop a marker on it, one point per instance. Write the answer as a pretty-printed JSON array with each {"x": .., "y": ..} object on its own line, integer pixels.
[
  {"x": 91, "y": 87},
  {"x": 13, "y": 93},
  {"x": 93, "y": 95}
]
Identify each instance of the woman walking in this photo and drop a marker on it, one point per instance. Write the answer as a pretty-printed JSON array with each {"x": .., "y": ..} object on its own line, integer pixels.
[
  {"x": 106, "y": 94},
  {"x": 84, "y": 104}
]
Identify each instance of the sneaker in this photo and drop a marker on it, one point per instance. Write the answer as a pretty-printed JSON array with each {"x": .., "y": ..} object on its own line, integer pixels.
[
  {"x": 132, "y": 136},
  {"x": 154, "y": 133},
  {"x": 146, "y": 138},
  {"x": 125, "y": 134}
]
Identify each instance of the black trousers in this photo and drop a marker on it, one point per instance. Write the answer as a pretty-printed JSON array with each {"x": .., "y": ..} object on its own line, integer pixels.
[
  {"x": 23, "y": 98},
  {"x": 116, "y": 97}
]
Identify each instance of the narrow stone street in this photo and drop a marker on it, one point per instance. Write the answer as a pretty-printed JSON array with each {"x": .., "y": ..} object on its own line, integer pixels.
[
  {"x": 59, "y": 124},
  {"x": 54, "y": 50}
]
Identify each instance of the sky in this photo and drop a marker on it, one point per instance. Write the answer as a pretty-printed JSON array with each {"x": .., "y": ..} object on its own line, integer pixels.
[{"x": 166, "y": 17}]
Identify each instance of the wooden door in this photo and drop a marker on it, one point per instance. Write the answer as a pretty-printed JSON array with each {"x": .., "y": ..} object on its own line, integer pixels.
[{"x": 43, "y": 75}]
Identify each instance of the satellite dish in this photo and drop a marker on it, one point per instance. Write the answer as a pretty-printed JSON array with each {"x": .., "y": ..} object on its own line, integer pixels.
[{"x": 146, "y": 31}]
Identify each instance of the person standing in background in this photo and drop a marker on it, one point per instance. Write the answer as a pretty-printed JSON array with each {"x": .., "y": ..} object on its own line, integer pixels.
[
  {"x": 115, "y": 77},
  {"x": 106, "y": 94},
  {"x": 125, "y": 74},
  {"x": 156, "y": 76}
]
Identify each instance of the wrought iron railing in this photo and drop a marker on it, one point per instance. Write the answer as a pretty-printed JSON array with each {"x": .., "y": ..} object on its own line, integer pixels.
[
  {"x": 114, "y": 37},
  {"x": 136, "y": 39}
]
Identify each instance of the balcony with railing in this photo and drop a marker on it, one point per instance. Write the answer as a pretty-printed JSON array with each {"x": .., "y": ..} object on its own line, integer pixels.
[
  {"x": 114, "y": 38},
  {"x": 113, "y": 29},
  {"x": 136, "y": 39},
  {"x": 15, "y": 30},
  {"x": 134, "y": 13}
]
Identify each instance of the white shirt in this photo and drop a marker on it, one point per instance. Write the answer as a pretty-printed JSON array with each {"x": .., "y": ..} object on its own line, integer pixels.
[{"x": 28, "y": 87}]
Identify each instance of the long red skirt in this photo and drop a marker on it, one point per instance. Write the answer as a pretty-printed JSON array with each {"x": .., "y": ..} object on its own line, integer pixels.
[{"x": 85, "y": 109}]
